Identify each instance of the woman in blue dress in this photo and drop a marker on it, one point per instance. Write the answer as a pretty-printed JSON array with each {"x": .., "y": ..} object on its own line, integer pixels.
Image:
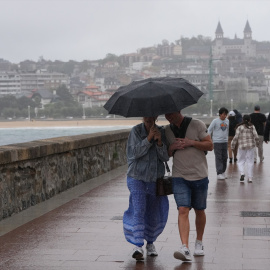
[{"x": 147, "y": 214}]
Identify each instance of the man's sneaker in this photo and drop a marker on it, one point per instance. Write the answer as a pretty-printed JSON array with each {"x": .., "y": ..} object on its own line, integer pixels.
[
  {"x": 151, "y": 250},
  {"x": 137, "y": 253},
  {"x": 250, "y": 180},
  {"x": 198, "y": 248},
  {"x": 220, "y": 177},
  {"x": 224, "y": 175},
  {"x": 183, "y": 254}
]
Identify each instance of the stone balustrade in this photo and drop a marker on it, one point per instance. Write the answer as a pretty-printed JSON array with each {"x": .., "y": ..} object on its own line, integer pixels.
[{"x": 36, "y": 171}]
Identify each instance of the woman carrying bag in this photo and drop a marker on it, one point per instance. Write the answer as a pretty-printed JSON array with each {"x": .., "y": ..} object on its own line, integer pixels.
[
  {"x": 147, "y": 214},
  {"x": 247, "y": 138}
]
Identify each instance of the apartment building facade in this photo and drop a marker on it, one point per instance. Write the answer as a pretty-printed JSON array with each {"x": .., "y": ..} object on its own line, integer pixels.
[
  {"x": 13, "y": 83},
  {"x": 10, "y": 83}
]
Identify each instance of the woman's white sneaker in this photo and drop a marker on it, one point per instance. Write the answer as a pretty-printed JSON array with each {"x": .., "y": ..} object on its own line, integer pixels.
[
  {"x": 137, "y": 253},
  {"x": 151, "y": 250},
  {"x": 199, "y": 251}
]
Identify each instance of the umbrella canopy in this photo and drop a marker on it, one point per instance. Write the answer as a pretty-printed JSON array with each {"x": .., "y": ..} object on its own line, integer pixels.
[{"x": 153, "y": 97}]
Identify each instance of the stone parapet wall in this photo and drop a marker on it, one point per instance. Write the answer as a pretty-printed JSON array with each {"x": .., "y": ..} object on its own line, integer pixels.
[{"x": 36, "y": 171}]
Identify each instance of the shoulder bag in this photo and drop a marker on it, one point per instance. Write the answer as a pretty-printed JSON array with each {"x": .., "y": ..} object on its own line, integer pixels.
[{"x": 164, "y": 184}]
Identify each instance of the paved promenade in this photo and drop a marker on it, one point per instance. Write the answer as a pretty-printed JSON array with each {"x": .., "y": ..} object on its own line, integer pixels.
[{"x": 82, "y": 228}]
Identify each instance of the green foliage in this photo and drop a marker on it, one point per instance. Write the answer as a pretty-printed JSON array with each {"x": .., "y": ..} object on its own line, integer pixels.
[
  {"x": 195, "y": 41},
  {"x": 63, "y": 92},
  {"x": 12, "y": 107},
  {"x": 68, "y": 67},
  {"x": 24, "y": 102},
  {"x": 110, "y": 58},
  {"x": 7, "y": 102}
]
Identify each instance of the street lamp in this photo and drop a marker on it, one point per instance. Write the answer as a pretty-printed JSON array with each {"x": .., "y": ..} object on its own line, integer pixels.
[
  {"x": 83, "y": 112},
  {"x": 36, "y": 112},
  {"x": 231, "y": 104},
  {"x": 29, "y": 112},
  {"x": 211, "y": 108}
]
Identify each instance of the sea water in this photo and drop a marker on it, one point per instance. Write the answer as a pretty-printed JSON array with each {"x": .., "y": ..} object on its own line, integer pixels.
[{"x": 20, "y": 135}]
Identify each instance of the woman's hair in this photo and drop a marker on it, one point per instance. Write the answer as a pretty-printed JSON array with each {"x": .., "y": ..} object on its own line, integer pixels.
[{"x": 246, "y": 121}]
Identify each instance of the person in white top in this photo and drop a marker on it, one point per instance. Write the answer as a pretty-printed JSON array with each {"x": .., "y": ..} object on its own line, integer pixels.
[{"x": 219, "y": 130}]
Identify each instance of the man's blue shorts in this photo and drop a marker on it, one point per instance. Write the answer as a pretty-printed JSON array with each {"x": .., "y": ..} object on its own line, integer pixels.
[{"x": 192, "y": 194}]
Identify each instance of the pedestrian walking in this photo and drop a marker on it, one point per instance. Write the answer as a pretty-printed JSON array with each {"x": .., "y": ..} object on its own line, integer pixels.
[
  {"x": 147, "y": 213},
  {"x": 238, "y": 116},
  {"x": 219, "y": 129},
  {"x": 232, "y": 127},
  {"x": 188, "y": 139},
  {"x": 258, "y": 119},
  {"x": 247, "y": 138},
  {"x": 267, "y": 130}
]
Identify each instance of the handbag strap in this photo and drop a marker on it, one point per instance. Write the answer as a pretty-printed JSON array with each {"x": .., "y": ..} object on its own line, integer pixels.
[{"x": 167, "y": 168}]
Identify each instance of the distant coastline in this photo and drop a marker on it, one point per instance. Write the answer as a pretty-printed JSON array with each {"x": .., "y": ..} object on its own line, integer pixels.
[
  {"x": 87, "y": 122},
  {"x": 74, "y": 123}
]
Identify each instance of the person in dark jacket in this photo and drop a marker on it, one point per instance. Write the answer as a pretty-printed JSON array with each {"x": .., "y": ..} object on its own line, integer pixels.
[
  {"x": 232, "y": 126},
  {"x": 258, "y": 119},
  {"x": 267, "y": 130},
  {"x": 238, "y": 116}
]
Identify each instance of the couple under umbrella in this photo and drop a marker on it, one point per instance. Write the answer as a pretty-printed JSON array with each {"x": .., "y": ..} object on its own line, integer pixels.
[{"x": 147, "y": 151}]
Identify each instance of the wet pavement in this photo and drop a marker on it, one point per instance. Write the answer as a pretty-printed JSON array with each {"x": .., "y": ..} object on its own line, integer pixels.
[{"x": 82, "y": 228}]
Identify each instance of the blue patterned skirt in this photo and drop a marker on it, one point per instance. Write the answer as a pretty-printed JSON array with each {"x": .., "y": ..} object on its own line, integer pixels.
[{"x": 147, "y": 214}]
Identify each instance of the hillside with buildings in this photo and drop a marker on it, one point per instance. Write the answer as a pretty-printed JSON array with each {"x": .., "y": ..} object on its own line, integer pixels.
[{"x": 226, "y": 69}]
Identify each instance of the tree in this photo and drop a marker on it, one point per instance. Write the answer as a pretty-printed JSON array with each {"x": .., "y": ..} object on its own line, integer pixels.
[
  {"x": 7, "y": 102},
  {"x": 64, "y": 94},
  {"x": 110, "y": 57},
  {"x": 23, "y": 102}
]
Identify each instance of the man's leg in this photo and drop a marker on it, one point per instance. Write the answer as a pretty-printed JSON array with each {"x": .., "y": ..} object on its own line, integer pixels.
[
  {"x": 200, "y": 222},
  {"x": 200, "y": 190},
  {"x": 224, "y": 156},
  {"x": 218, "y": 158},
  {"x": 255, "y": 154},
  {"x": 260, "y": 148},
  {"x": 229, "y": 147},
  {"x": 182, "y": 196},
  {"x": 183, "y": 224}
]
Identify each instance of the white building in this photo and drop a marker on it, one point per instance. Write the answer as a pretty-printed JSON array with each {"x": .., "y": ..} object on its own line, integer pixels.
[
  {"x": 236, "y": 48},
  {"x": 10, "y": 83},
  {"x": 13, "y": 83},
  {"x": 43, "y": 79}
]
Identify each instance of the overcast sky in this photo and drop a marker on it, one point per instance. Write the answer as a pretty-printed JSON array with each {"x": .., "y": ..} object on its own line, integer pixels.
[{"x": 88, "y": 29}]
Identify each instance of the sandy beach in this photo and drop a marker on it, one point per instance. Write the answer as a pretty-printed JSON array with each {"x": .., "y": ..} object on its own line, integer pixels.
[{"x": 73, "y": 123}]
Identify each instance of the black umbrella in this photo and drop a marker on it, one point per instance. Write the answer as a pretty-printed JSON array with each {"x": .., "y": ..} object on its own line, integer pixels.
[{"x": 153, "y": 97}]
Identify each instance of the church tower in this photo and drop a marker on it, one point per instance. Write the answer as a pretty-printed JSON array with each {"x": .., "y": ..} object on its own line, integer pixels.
[
  {"x": 219, "y": 31},
  {"x": 249, "y": 45},
  {"x": 247, "y": 31},
  {"x": 217, "y": 46}
]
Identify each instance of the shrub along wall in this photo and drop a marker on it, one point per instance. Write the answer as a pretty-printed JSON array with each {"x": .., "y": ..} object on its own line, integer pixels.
[{"x": 36, "y": 171}]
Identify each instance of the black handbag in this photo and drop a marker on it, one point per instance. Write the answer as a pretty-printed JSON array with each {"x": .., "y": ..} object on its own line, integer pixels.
[{"x": 164, "y": 184}]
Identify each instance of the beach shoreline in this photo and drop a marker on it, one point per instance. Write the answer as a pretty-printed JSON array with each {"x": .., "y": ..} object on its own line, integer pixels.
[{"x": 75, "y": 123}]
